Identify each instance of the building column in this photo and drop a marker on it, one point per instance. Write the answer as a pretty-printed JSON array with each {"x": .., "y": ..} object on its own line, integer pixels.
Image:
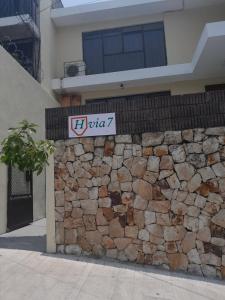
[
  {"x": 3, "y": 197},
  {"x": 50, "y": 206}
]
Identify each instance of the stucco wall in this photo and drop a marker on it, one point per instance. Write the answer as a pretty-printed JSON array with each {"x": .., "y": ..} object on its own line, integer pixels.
[
  {"x": 48, "y": 46},
  {"x": 21, "y": 97},
  {"x": 153, "y": 198},
  {"x": 182, "y": 32}
]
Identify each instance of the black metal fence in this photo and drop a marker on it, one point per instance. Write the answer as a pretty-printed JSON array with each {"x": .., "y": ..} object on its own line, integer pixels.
[
  {"x": 144, "y": 113},
  {"x": 10, "y": 8}
]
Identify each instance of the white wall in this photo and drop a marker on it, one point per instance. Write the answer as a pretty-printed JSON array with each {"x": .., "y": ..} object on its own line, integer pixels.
[
  {"x": 21, "y": 97},
  {"x": 48, "y": 45},
  {"x": 182, "y": 31}
]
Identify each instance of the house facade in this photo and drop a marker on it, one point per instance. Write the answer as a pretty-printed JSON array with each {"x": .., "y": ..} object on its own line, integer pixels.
[
  {"x": 136, "y": 47},
  {"x": 153, "y": 193}
]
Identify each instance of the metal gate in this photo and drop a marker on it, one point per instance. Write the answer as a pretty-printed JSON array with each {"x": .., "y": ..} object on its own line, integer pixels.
[{"x": 20, "y": 198}]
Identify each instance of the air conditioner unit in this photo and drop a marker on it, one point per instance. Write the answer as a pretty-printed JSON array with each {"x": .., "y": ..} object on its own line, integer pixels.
[{"x": 76, "y": 68}]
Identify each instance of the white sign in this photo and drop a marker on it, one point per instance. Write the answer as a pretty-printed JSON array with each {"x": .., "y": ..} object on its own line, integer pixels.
[{"x": 92, "y": 125}]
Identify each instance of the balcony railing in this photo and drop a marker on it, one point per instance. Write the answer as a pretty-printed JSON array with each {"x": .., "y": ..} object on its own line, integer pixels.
[{"x": 9, "y": 8}]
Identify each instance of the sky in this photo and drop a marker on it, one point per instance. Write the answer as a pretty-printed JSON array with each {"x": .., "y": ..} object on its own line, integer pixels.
[{"x": 68, "y": 3}]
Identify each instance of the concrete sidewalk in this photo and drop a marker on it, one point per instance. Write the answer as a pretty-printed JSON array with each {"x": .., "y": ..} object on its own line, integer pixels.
[
  {"x": 26, "y": 273},
  {"x": 31, "y": 237}
]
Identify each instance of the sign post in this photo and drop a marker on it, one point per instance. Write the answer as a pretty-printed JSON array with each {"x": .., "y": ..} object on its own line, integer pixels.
[{"x": 92, "y": 125}]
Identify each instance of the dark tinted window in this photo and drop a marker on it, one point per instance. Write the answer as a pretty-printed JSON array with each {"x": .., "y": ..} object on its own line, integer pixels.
[
  {"x": 125, "y": 48},
  {"x": 215, "y": 87}
]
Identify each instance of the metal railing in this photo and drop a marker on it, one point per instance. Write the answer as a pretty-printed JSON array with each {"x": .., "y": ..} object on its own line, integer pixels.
[{"x": 9, "y": 8}]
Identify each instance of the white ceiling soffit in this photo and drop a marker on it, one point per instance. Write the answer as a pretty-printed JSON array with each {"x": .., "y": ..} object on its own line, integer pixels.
[
  {"x": 120, "y": 9},
  {"x": 112, "y": 10},
  {"x": 190, "y": 4},
  {"x": 208, "y": 62}
]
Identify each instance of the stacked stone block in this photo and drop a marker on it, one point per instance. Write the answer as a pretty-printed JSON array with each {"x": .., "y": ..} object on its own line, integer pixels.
[{"x": 155, "y": 198}]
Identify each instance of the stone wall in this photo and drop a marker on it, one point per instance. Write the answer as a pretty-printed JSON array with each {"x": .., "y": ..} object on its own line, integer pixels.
[{"x": 155, "y": 198}]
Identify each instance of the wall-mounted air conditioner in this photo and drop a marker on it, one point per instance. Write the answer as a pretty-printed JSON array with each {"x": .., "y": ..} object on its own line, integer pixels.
[{"x": 75, "y": 68}]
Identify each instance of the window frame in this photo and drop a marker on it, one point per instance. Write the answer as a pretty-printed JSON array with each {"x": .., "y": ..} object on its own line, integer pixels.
[{"x": 122, "y": 31}]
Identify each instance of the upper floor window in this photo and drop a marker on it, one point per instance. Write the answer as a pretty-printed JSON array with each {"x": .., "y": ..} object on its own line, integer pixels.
[{"x": 126, "y": 48}]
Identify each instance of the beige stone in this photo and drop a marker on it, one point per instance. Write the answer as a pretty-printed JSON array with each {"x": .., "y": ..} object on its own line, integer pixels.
[
  {"x": 179, "y": 208},
  {"x": 100, "y": 218},
  {"x": 143, "y": 189},
  {"x": 70, "y": 236},
  {"x": 193, "y": 257},
  {"x": 104, "y": 230},
  {"x": 115, "y": 229},
  {"x": 89, "y": 222},
  {"x": 108, "y": 243},
  {"x": 59, "y": 198},
  {"x": 77, "y": 213},
  {"x": 89, "y": 206},
  {"x": 138, "y": 217},
  {"x": 171, "y": 247},
  {"x": 59, "y": 214},
  {"x": 185, "y": 171},
  {"x": 140, "y": 203},
  {"x": 138, "y": 167},
  {"x": 219, "y": 218},
  {"x": 166, "y": 163},
  {"x": 155, "y": 230},
  {"x": 194, "y": 183},
  {"x": 153, "y": 164},
  {"x": 159, "y": 258},
  {"x": 159, "y": 206},
  {"x": 93, "y": 237},
  {"x": 193, "y": 211},
  {"x": 156, "y": 240},
  {"x": 149, "y": 248},
  {"x": 191, "y": 223},
  {"x": 143, "y": 235},
  {"x": 132, "y": 252},
  {"x": 178, "y": 261},
  {"x": 104, "y": 202},
  {"x": 152, "y": 139},
  {"x": 150, "y": 217},
  {"x": 174, "y": 233},
  {"x": 111, "y": 253},
  {"x": 124, "y": 175},
  {"x": 163, "y": 219},
  {"x": 210, "y": 259},
  {"x": 151, "y": 177},
  {"x": 188, "y": 242},
  {"x": 71, "y": 223},
  {"x": 122, "y": 243},
  {"x": 59, "y": 233},
  {"x": 173, "y": 182},
  {"x": 131, "y": 232},
  {"x": 161, "y": 150}
]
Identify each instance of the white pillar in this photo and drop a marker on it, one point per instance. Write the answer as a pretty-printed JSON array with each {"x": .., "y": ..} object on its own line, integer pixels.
[
  {"x": 50, "y": 206},
  {"x": 3, "y": 197}
]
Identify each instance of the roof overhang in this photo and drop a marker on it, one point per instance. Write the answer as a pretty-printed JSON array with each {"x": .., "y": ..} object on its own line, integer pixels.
[
  {"x": 116, "y": 9},
  {"x": 208, "y": 62},
  {"x": 18, "y": 27}
]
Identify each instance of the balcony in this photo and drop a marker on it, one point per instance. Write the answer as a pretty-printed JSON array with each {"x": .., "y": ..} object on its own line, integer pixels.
[
  {"x": 19, "y": 19},
  {"x": 207, "y": 62}
]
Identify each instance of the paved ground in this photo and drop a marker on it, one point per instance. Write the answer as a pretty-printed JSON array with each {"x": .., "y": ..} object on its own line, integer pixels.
[{"x": 28, "y": 274}]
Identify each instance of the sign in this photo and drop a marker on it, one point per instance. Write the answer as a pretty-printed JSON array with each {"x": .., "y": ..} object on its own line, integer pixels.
[{"x": 92, "y": 125}]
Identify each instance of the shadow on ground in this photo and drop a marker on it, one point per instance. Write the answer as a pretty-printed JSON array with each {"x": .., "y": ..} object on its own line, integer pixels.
[
  {"x": 149, "y": 270},
  {"x": 30, "y": 243}
]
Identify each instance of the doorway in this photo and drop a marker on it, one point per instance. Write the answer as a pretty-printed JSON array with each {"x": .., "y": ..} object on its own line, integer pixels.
[{"x": 20, "y": 198}]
